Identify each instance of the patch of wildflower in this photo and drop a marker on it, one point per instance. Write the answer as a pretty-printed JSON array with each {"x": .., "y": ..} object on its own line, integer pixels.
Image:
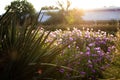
[
  {"x": 94, "y": 47},
  {"x": 89, "y": 53}
]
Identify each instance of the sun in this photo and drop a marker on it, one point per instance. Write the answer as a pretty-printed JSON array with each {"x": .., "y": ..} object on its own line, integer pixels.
[{"x": 85, "y": 4}]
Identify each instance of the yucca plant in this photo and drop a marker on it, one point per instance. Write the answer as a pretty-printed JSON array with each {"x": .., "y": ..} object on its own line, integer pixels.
[{"x": 24, "y": 53}]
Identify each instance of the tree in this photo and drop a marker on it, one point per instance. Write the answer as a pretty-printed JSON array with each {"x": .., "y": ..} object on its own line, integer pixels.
[
  {"x": 65, "y": 15},
  {"x": 49, "y": 8},
  {"x": 20, "y": 10},
  {"x": 64, "y": 6}
]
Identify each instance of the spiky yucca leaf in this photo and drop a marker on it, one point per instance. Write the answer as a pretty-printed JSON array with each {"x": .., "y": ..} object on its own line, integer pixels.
[{"x": 20, "y": 46}]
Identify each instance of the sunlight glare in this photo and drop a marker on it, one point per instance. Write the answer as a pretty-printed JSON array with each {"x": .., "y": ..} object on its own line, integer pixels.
[{"x": 85, "y": 4}]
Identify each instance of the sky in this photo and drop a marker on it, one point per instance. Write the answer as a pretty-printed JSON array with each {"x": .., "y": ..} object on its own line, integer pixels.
[{"x": 82, "y": 4}]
